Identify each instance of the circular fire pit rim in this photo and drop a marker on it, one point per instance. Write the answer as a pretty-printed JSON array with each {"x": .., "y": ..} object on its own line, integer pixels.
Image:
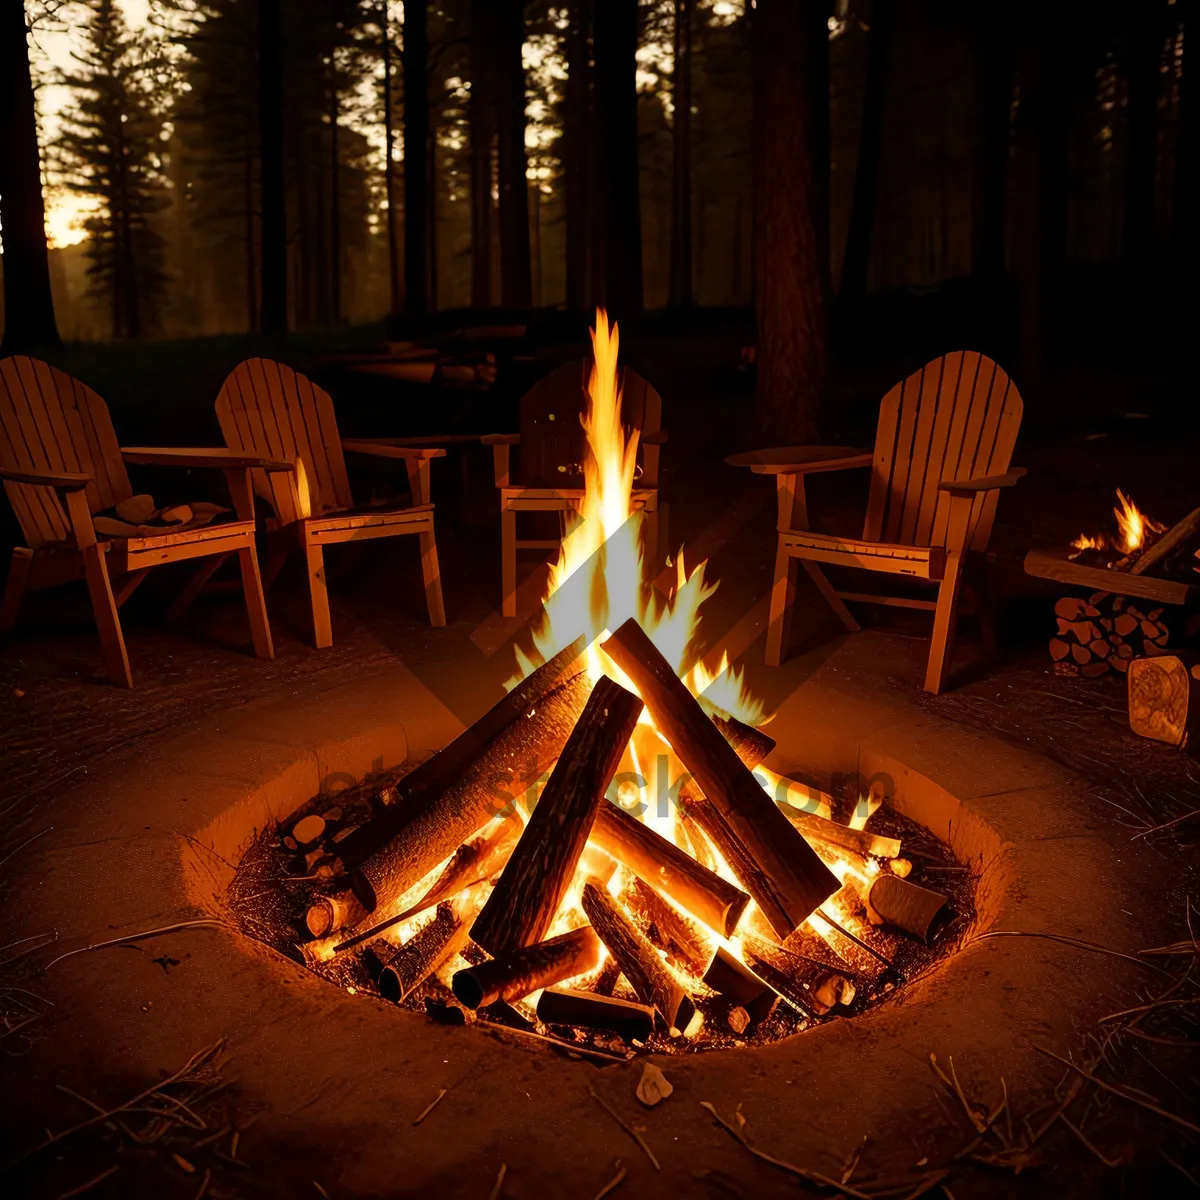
[{"x": 177, "y": 812}]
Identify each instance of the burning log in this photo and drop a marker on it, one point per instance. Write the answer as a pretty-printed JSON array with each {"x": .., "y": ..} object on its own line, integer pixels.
[
  {"x": 523, "y": 903},
  {"x": 752, "y": 745},
  {"x": 328, "y": 914},
  {"x": 562, "y": 1006},
  {"x": 1164, "y": 699},
  {"x": 670, "y": 870},
  {"x": 1175, "y": 538},
  {"x": 525, "y": 970},
  {"x": 423, "y": 953},
  {"x": 471, "y": 863},
  {"x": 740, "y": 985},
  {"x": 799, "y": 880},
  {"x": 429, "y": 835},
  {"x": 685, "y": 941},
  {"x": 426, "y": 785},
  {"x": 916, "y": 910},
  {"x": 648, "y": 975},
  {"x": 832, "y": 833}
]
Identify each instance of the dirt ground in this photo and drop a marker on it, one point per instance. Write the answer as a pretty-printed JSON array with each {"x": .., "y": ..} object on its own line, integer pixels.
[{"x": 58, "y": 716}]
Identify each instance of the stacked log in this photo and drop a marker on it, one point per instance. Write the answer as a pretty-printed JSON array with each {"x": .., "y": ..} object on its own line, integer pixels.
[
  {"x": 1164, "y": 700},
  {"x": 1103, "y": 633}
]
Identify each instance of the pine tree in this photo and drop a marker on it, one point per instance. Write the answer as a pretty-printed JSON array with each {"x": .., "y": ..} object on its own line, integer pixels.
[{"x": 113, "y": 150}]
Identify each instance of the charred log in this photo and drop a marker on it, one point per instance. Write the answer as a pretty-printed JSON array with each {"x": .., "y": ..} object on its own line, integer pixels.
[
  {"x": 523, "y": 903},
  {"x": 525, "y": 970}
]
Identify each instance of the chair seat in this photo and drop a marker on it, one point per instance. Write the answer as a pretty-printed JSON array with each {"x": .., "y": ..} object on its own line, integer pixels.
[
  {"x": 920, "y": 562},
  {"x": 543, "y": 499},
  {"x": 357, "y": 525}
]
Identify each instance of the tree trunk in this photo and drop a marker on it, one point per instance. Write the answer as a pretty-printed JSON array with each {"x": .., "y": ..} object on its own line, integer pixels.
[
  {"x": 790, "y": 313},
  {"x": 335, "y": 205},
  {"x": 576, "y": 143},
  {"x": 1040, "y": 183},
  {"x": 251, "y": 248},
  {"x": 617, "y": 253},
  {"x": 516, "y": 285},
  {"x": 389, "y": 160},
  {"x": 680, "y": 291},
  {"x": 993, "y": 33},
  {"x": 1187, "y": 149},
  {"x": 28, "y": 302},
  {"x": 416, "y": 139},
  {"x": 856, "y": 261},
  {"x": 273, "y": 228},
  {"x": 483, "y": 130},
  {"x": 1145, "y": 50},
  {"x": 432, "y": 219}
]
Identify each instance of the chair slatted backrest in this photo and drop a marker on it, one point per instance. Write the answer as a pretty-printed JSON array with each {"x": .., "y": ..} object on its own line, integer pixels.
[
  {"x": 551, "y": 434},
  {"x": 50, "y": 421},
  {"x": 956, "y": 418},
  {"x": 264, "y": 407}
]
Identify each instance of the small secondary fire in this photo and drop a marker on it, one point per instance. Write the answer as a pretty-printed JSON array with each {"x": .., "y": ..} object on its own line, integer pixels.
[
  {"x": 595, "y": 851},
  {"x": 1133, "y": 529}
]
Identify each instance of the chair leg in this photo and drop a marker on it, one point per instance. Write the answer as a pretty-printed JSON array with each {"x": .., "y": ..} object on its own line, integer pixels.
[
  {"x": 831, "y": 597},
  {"x": 433, "y": 579},
  {"x": 314, "y": 558},
  {"x": 944, "y": 620},
  {"x": 195, "y": 586},
  {"x": 14, "y": 589},
  {"x": 782, "y": 594},
  {"x": 508, "y": 563},
  {"x": 256, "y": 605},
  {"x": 651, "y": 542},
  {"x": 104, "y": 608}
]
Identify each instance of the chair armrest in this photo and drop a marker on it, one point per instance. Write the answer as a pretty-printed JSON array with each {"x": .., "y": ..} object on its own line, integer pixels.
[
  {"x": 802, "y": 460},
  {"x": 218, "y": 457},
  {"x": 389, "y": 449},
  {"x": 986, "y": 483},
  {"x": 500, "y": 439},
  {"x": 657, "y": 438},
  {"x": 67, "y": 481}
]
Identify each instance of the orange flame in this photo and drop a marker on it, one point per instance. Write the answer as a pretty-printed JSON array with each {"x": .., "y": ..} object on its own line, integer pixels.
[{"x": 1133, "y": 524}]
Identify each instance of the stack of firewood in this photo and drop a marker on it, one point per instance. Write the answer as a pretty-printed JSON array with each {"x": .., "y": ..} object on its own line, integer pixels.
[{"x": 1104, "y": 633}]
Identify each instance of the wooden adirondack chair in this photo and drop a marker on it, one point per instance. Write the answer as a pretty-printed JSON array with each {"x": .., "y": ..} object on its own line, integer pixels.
[
  {"x": 266, "y": 408},
  {"x": 942, "y": 452},
  {"x": 61, "y": 464},
  {"x": 552, "y": 447}
]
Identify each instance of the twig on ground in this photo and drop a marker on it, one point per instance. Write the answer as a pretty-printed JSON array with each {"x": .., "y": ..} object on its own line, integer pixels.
[
  {"x": 91, "y": 1183},
  {"x": 1079, "y": 943},
  {"x": 192, "y": 1067},
  {"x": 1108, "y": 1162},
  {"x": 25, "y": 843},
  {"x": 800, "y": 1172},
  {"x": 429, "y": 1107},
  {"x": 200, "y": 923},
  {"x": 1166, "y": 824},
  {"x": 629, "y": 1129},
  {"x": 498, "y": 1187},
  {"x": 614, "y": 1182},
  {"x": 1121, "y": 1093}
]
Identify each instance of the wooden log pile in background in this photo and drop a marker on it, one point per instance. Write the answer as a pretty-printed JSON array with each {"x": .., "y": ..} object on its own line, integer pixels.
[{"x": 1104, "y": 633}]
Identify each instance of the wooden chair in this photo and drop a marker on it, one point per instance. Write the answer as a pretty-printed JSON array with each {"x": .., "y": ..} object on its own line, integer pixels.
[
  {"x": 552, "y": 446},
  {"x": 61, "y": 464},
  {"x": 266, "y": 408},
  {"x": 942, "y": 452}
]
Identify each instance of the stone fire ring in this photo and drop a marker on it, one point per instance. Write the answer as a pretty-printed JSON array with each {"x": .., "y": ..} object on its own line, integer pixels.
[{"x": 337, "y": 1080}]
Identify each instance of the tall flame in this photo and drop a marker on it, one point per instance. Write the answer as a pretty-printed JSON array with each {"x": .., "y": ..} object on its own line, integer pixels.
[
  {"x": 1133, "y": 524},
  {"x": 599, "y": 580}
]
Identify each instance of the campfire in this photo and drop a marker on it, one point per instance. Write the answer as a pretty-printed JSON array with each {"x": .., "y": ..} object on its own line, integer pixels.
[
  {"x": 1137, "y": 573},
  {"x": 601, "y": 858}
]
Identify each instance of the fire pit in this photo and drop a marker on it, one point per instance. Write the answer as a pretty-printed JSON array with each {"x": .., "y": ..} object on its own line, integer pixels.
[{"x": 593, "y": 860}]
